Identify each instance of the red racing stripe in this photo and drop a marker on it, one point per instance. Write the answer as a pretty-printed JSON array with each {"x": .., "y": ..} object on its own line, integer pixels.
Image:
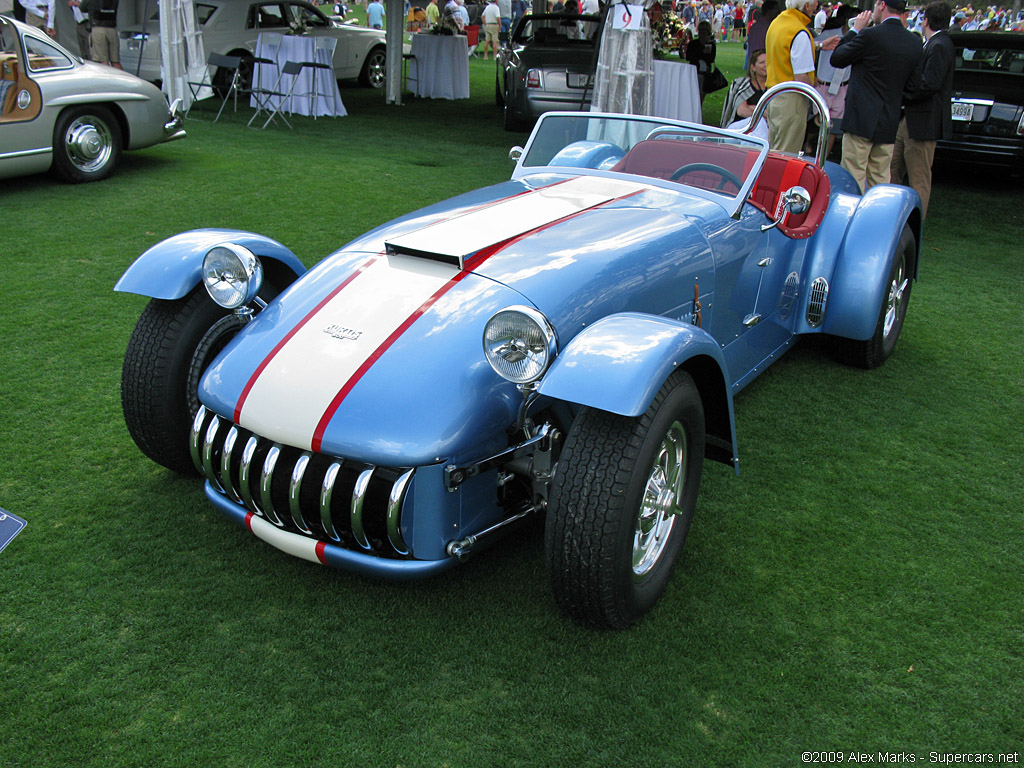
[
  {"x": 320, "y": 547},
  {"x": 473, "y": 262},
  {"x": 280, "y": 345}
]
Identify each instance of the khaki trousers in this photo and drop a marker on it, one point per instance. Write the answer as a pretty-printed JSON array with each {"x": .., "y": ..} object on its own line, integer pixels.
[
  {"x": 913, "y": 158},
  {"x": 787, "y": 122},
  {"x": 868, "y": 163}
]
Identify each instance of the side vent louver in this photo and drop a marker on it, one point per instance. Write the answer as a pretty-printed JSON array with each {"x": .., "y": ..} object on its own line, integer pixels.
[{"x": 817, "y": 301}]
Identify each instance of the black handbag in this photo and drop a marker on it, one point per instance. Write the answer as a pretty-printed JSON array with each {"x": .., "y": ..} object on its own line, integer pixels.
[{"x": 714, "y": 81}]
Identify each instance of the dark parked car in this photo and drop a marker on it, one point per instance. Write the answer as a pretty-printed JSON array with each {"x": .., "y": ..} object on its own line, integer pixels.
[
  {"x": 988, "y": 100},
  {"x": 547, "y": 65}
]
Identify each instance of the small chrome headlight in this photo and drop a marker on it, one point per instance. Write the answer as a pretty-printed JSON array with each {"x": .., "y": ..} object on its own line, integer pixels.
[
  {"x": 232, "y": 275},
  {"x": 519, "y": 343}
]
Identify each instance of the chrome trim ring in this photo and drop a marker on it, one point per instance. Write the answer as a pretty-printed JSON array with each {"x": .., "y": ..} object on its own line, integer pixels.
[
  {"x": 326, "y": 491},
  {"x": 395, "y": 513},
  {"x": 245, "y": 473},
  {"x": 89, "y": 143},
  {"x": 266, "y": 479},
  {"x": 295, "y": 488},
  {"x": 895, "y": 297},
  {"x": 659, "y": 507},
  {"x": 356, "y": 510}
]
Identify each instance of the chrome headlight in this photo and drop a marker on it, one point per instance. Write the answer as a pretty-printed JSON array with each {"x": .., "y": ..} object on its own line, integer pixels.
[
  {"x": 232, "y": 275},
  {"x": 519, "y": 343}
]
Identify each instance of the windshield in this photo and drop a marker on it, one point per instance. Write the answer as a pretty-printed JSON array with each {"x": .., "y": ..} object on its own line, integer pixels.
[
  {"x": 722, "y": 162},
  {"x": 556, "y": 30},
  {"x": 991, "y": 59}
]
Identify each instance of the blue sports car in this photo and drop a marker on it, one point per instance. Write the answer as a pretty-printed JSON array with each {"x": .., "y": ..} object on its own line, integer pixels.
[{"x": 567, "y": 344}]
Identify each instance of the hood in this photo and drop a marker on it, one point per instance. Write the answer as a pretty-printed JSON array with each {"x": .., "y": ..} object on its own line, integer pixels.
[{"x": 375, "y": 354}]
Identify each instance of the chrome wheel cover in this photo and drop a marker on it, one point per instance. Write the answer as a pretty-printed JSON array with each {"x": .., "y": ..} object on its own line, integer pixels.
[
  {"x": 375, "y": 70},
  {"x": 659, "y": 507},
  {"x": 895, "y": 298},
  {"x": 88, "y": 143}
]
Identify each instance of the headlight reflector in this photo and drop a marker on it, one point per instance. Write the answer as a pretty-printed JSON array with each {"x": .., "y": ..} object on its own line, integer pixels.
[
  {"x": 519, "y": 343},
  {"x": 232, "y": 275}
]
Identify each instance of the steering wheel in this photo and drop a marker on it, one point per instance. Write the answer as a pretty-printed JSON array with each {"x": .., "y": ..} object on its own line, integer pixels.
[{"x": 711, "y": 168}]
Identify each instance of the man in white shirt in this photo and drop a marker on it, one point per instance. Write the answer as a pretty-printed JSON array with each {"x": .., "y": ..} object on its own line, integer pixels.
[
  {"x": 820, "y": 19},
  {"x": 39, "y": 13},
  {"x": 491, "y": 18}
]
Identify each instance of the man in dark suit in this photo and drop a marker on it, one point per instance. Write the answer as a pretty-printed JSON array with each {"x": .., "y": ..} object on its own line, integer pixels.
[
  {"x": 883, "y": 58},
  {"x": 927, "y": 112}
]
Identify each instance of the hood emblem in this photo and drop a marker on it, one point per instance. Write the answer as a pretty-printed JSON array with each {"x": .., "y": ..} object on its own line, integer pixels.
[{"x": 341, "y": 332}]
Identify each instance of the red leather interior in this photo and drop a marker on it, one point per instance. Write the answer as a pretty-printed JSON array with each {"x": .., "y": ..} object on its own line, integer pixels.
[{"x": 659, "y": 159}]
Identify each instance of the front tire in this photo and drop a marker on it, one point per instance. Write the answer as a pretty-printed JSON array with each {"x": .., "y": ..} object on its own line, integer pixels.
[
  {"x": 373, "y": 73},
  {"x": 172, "y": 345},
  {"x": 621, "y": 505},
  {"x": 876, "y": 350},
  {"x": 87, "y": 144}
]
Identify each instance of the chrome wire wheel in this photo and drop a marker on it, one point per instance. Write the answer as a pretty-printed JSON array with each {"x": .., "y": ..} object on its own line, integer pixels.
[
  {"x": 89, "y": 143},
  {"x": 659, "y": 507},
  {"x": 894, "y": 300}
]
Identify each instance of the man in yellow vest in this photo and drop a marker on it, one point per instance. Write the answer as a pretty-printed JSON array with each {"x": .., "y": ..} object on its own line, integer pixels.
[{"x": 790, "y": 50}]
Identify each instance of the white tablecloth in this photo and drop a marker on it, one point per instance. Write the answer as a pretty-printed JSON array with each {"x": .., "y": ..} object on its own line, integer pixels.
[
  {"x": 309, "y": 81},
  {"x": 676, "y": 92},
  {"x": 440, "y": 67}
]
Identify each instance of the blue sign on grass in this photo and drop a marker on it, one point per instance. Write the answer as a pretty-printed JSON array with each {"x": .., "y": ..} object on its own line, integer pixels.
[{"x": 10, "y": 526}]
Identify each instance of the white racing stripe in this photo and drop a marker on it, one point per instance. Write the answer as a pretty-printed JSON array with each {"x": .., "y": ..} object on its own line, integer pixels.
[
  {"x": 464, "y": 235},
  {"x": 317, "y": 363}
]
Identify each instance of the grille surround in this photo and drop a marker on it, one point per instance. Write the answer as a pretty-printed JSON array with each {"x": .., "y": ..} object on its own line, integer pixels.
[{"x": 338, "y": 501}]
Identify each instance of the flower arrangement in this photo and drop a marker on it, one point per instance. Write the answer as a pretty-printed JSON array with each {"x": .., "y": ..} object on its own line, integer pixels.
[{"x": 666, "y": 32}]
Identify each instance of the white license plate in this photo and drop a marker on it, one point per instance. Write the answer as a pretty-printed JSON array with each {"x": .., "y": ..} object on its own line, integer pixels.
[
  {"x": 962, "y": 111},
  {"x": 577, "y": 79}
]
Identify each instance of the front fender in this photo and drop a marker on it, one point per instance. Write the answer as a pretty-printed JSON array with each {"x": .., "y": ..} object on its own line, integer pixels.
[
  {"x": 859, "y": 281},
  {"x": 173, "y": 267},
  {"x": 620, "y": 362}
]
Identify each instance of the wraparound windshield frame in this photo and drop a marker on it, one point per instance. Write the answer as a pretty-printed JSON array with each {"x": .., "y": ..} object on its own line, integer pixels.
[{"x": 733, "y": 205}]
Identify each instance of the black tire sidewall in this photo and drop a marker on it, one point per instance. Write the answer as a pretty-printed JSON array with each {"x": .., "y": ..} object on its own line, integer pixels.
[
  {"x": 682, "y": 404},
  {"x": 63, "y": 165},
  {"x": 904, "y": 254}
]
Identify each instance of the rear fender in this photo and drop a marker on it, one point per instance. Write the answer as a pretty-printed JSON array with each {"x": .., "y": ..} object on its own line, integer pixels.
[
  {"x": 173, "y": 267},
  {"x": 620, "y": 362},
  {"x": 858, "y": 283}
]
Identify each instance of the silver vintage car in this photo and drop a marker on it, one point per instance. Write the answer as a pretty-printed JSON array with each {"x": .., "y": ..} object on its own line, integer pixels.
[
  {"x": 69, "y": 116},
  {"x": 230, "y": 28}
]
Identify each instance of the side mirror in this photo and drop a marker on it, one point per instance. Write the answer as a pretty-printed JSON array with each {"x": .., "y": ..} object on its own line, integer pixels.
[
  {"x": 795, "y": 201},
  {"x": 516, "y": 152}
]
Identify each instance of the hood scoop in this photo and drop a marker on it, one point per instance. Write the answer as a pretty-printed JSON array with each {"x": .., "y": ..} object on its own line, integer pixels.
[{"x": 455, "y": 240}]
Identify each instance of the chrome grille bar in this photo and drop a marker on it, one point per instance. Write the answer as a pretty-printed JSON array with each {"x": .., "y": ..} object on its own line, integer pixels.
[
  {"x": 395, "y": 513},
  {"x": 245, "y": 474},
  {"x": 295, "y": 488},
  {"x": 266, "y": 479},
  {"x": 225, "y": 464},
  {"x": 326, "y": 491},
  {"x": 356, "y": 511},
  {"x": 208, "y": 442},
  {"x": 194, "y": 440}
]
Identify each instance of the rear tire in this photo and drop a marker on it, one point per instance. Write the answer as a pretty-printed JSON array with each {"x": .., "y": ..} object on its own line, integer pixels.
[
  {"x": 621, "y": 504},
  {"x": 372, "y": 75},
  {"x": 87, "y": 144},
  {"x": 876, "y": 350}
]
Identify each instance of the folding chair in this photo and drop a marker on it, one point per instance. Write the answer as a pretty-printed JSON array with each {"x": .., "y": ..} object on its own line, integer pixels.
[
  {"x": 472, "y": 38},
  {"x": 214, "y": 63},
  {"x": 274, "y": 100},
  {"x": 323, "y": 59}
]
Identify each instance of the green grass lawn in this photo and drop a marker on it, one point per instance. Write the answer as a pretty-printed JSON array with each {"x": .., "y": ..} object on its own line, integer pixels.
[{"x": 857, "y": 587}]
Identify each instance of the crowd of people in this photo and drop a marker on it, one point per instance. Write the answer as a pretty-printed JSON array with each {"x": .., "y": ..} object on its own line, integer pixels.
[{"x": 885, "y": 75}]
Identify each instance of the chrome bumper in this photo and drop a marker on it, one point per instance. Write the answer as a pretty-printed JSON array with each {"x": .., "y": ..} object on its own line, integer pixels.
[{"x": 174, "y": 128}]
